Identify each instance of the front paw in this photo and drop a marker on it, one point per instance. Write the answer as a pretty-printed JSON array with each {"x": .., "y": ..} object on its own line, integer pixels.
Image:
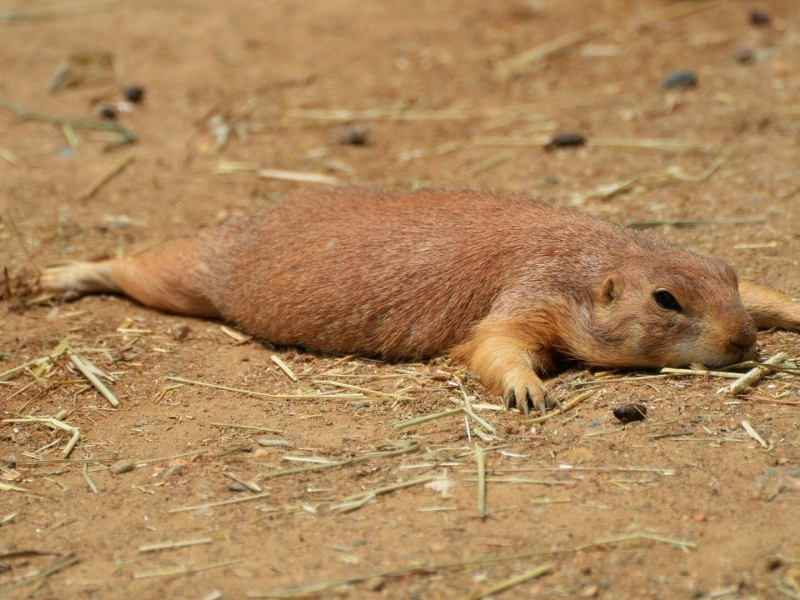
[{"x": 527, "y": 394}]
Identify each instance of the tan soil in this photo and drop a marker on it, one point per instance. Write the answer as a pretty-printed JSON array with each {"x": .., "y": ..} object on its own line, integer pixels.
[{"x": 737, "y": 503}]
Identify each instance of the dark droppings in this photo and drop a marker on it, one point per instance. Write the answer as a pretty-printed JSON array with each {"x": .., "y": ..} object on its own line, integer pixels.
[
  {"x": 631, "y": 412},
  {"x": 352, "y": 135},
  {"x": 133, "y": 93},
  {"x": 108, "y": 112},
  {"x": 565, "y": 140},
  {"x": 760, "y": 18},
  {"x": 745, "y": 56}
]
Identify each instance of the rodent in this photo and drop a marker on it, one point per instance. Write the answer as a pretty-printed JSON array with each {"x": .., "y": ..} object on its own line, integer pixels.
[{"x": 506, "y": 284}]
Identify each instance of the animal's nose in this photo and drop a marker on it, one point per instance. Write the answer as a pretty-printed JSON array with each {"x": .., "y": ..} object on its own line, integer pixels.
[{"x": 743, "y": 336}]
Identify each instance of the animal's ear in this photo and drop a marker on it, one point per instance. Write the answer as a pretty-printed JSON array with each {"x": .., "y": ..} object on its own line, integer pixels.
[{"x": 609, "y": 292}]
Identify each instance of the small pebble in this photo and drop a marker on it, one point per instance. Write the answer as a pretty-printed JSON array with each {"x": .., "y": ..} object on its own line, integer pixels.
[
  {"x": 238, "y": 487},
  {"x": 179, "y": 331},
  {"x": 376, "y": 584},
  {"x": 108, "y": 112},
  {"x": 679, "y": 79},
  {"x": 64, "y": 152},
  {"x": 133, "y": 93},
  {"x": 760, "y": 18},
  {"x": 123, "y": 466},
  {"x": 352, "y": 135},
  {"x": 172, "y": 471},
  {"x": 565, "y": 140},
  {"x": 631, "y": 412},
  {"x": 745, "y": 56},
  {"x": 12, "y": 464}
]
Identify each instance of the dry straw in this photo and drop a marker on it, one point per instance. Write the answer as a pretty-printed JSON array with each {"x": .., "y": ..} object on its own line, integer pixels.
[
  {"x": 527, "y": 60},
  {"x": 755, "y": 374},
  {"x": 480, "y": 458},
  {"x": 323, "y": 586},
  {"x": 116, "y": 168},
  {"x": 55, "y": 424},
  {"x": 59, "y": 565},
  {"x": 511, "y": 582},
  {"x": 319, "y": 396},
  {"x": 124, "y": 135},
  {"x": 88, "y": 370},
  {"x": 565, "y": 407}
]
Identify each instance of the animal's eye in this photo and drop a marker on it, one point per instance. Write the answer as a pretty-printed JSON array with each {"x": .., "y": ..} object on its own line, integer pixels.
[{"x": 666, "y": 300}]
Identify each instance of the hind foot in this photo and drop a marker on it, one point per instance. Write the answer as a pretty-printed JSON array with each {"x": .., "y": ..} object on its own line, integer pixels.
[{"x": 78, "y": 279}]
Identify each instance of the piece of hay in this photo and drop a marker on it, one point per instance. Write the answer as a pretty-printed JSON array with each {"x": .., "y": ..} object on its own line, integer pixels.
[{"x": 754, "y": 375}]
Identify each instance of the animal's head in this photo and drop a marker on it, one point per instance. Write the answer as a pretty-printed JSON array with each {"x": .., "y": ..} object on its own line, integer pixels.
[{"x": 670, "y": 308}]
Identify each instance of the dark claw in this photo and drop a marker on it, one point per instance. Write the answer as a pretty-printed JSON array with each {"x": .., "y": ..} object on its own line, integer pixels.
[
  {"x": 510, "y": 400},
  {"x": 558, "y": 404},
  {"x": 548, "y": 401},
  {"x": 526, "y": 405}
]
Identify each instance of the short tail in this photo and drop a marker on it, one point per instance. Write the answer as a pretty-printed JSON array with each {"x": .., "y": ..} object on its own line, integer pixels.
[{"x": 174, "y": 280}]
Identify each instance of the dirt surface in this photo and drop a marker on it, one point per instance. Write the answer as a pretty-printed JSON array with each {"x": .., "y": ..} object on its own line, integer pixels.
[{"x": 684, "y": 504}]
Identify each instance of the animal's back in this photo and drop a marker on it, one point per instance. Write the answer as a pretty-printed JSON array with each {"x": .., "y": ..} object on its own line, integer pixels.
[
  {"x": 399, "y": 275},
  {"x": 503, "y": 283}
]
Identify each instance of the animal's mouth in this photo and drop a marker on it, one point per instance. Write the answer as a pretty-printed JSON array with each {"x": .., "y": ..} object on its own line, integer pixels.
[
  {"x": 713, "y": 359},
  {"x": 733, "y": 357},
  {"x": 748, "y": 352}
]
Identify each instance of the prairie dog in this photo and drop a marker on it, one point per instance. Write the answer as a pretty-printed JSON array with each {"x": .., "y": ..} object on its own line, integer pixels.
[{"x": 504, "y": 283}]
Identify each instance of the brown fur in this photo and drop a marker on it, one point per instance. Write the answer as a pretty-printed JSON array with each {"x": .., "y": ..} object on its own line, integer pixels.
[{"x": 504, "y": 283}]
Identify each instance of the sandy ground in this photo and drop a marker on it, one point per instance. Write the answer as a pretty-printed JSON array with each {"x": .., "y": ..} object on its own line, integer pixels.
[{"x": 683, "y": 505}]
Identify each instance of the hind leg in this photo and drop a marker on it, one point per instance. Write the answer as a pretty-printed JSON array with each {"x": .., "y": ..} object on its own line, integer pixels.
[{"x": 174, "y": 280}]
